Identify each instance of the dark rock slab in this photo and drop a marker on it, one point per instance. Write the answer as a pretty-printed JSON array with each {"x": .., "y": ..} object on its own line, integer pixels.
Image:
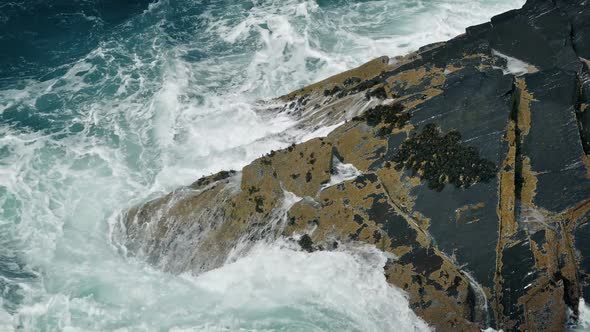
[
  {"x": 539, "y": 34},
  {"x": 553, "y": 142},
  {"x": 580, "y": 21},
  {"x": 477, "y": 104},
  {"x": 582, "y": 244},
  {"x": 518, "y": 272}
]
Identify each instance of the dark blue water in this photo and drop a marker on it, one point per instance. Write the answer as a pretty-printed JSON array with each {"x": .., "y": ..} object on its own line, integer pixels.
[{"x": 39, "y": 35}]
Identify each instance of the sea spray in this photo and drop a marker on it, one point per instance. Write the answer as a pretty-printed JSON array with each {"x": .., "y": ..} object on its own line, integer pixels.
[{"x": 295, "y": 286}]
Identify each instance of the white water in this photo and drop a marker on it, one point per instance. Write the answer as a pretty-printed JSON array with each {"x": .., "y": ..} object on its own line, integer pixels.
[
  {"x": 515, "y": 66},
  {"x": 334, "y": 290},
  {"x": 141, "y": 115},
  {"x": 341, "y": 172},
  {"x": 584, "y": 317}
]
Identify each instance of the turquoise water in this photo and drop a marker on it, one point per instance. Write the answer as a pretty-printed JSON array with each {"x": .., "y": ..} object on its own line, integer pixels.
[{"x": 106, "y": 103}]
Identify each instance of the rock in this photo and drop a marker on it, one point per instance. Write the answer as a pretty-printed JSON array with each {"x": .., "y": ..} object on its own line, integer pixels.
[{"x": 473, "y": 177}]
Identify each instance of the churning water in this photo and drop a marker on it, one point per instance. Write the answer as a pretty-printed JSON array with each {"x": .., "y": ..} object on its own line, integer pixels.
[{"x": 105, "y": 103}]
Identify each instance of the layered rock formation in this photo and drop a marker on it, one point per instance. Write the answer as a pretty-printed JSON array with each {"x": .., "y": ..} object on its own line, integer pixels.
[{"x": 466, "y": 160}]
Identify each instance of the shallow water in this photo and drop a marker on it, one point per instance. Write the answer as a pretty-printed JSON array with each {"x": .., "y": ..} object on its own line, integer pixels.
[{"x": 103, "y": 105}]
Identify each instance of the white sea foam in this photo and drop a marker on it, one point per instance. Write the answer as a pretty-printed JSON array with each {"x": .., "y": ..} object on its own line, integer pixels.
[
  {"x": 584, "y": 318},
  {"x": 515, "y": 66},
  {"x": 341, "y": 172},
  {"x": 275, "y": 279},
  {"x": 6, "y": 321}
]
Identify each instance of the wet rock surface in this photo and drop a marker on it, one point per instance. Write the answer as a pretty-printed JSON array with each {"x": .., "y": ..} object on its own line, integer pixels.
[{"x": 475, "y": 179}]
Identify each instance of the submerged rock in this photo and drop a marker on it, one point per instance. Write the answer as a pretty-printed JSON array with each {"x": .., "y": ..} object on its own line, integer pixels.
[{"x": 476, "y": 177}]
